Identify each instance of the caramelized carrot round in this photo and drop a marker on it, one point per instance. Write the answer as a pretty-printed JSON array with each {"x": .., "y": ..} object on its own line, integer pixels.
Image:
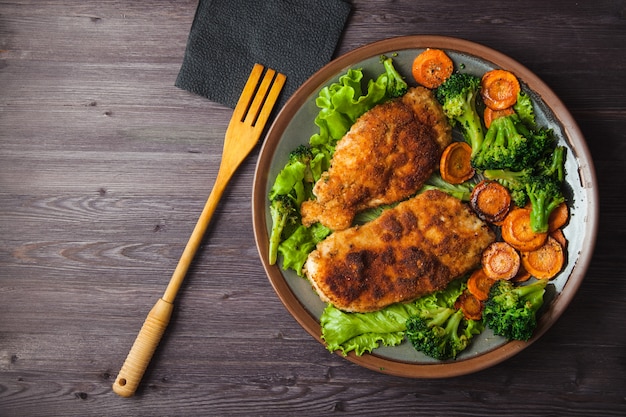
[
  {"x": 558, "y": 218},
  {"x": 431, "y": 68},
  {"x": 522, "y": 275},
  {"x": 455, "y": 163},
  {"x": 479, "y": 284},
  {"x": 491, "y": 201},
  {"x": 500, "y": 261},
  {"x": 471, "y": 306},
  {"x": 517, "y": 232},
  {"x": 559, "y": 237},
  {"x": 545, "y": 262},
  {"x": 499, "y": 89},
  {"x": 489, "y": 114}
]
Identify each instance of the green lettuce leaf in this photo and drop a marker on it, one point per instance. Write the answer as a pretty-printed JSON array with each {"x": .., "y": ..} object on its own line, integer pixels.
[
  {"x": 291, "y": 177},
  {"x": 341, "y": 104},
  {"x": 367, "y": 342},
  {"x": 296, "y": 248},
  {"x": 363, "y": 332}
]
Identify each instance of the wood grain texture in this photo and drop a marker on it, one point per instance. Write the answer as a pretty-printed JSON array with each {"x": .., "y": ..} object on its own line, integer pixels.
[{"x": 105, "y": 166}]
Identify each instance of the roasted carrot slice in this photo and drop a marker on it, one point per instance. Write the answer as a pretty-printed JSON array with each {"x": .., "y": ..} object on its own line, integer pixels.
[
  {"x": 490, "y": 114},
  {"x": 500, "y": 261},
  {"x": 559, "y": 237},
  {"x": 479, "y": 284},
  {"x": 499, "y": 89},
  {"x": 491, "y": 201},
  {"x": 471, "y": 306},
  {"x": 455, "y": 163},
  {"x": 516, "y": 231},
  {"x": 558, "y": 218},
  {"x": 522, "y": 275},
  {"x": 432, "y": 67},
  {"x": 545, "y": 262}
]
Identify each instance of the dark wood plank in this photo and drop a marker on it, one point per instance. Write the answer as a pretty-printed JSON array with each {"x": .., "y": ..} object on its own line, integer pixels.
[{"x": 105, "y": 166}]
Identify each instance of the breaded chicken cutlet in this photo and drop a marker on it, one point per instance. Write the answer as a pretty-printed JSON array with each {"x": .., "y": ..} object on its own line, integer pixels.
[
  {"x": 386, "y": 157},
  {"x": 411, "y": 250}
]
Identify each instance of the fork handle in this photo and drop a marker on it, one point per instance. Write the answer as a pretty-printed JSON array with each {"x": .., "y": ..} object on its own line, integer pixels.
[
  {"x": 153, "y": 328},
  {"x": 142, "y": 350},
  {"x": 223, "y": 176}
]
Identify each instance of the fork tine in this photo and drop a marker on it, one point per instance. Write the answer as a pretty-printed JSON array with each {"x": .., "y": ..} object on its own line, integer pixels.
[
  {"x": 248, "y": 93},
  {"x": 270, "y": 100},
  {"x": 259, "y": 97},
  {"x": 255, "y": 104}
]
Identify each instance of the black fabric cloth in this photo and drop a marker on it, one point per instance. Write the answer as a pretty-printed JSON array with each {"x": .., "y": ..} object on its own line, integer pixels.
[{"x": 227, "y": 37}]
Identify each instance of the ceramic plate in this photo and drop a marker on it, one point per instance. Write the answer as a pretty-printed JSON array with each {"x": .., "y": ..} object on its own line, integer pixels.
[{"x": 294, "y": 126}]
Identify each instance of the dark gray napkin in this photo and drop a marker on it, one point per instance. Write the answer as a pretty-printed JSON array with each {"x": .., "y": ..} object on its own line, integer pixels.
[{"x": 227, "y": 37}]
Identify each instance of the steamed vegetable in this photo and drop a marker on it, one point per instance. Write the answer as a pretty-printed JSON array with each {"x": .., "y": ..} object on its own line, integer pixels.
[
  {"x": 479, "y": 284},
  {"x": 489, "y": 115},
  {"x": 283, "y": 213},
  {"x": 545, "y": 262},
  {"x": 511, "y": 311},
  {"x": 509, "y": 144},
  {"x": 439, "y": 333},
  {"x": 500, "y": 261},
  {"x": 545, "y": 195},
  {"x": 458, "y": 96},
  {"x": 432, "y": 324},
  {"x": 431, "y": 68},
  {"x": 499, "y": 89},
  {"x": 517, "y": 231},
  {"x": 455, "y": 163},
  {"x": 490, "y": 201}
]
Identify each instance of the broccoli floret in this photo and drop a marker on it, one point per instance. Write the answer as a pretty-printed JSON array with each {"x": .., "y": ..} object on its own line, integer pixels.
[
  {"x": 303, "y": 155},
  {"x": 524, "y": 109},
  {"x": 297, "y": 176},
  {"x": 439, "y": 329},
  {"x": 509, "y": 144},
  {"x": 545, "y": 195},
  {"x": 458, "y": 96},
  {"x": 396, "y": 85},
  {"x": 514, "y": 181},
  {"x": 283, "y": 212},
  {"x": 553, "y": 165},
  {"x": 510, "y": 311},
  {"x": 504, "y": 147},
  {"x": 439, "y": 332},
  {"x": 550, "y": 166},
  {"x": 541, "y": 142},
  {"x": 542, "y": 190}
]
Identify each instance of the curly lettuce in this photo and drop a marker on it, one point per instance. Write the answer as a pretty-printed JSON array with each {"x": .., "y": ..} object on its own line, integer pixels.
[
  {"x": 363, "y": 332},
  {"x": 296, "y": 248}
]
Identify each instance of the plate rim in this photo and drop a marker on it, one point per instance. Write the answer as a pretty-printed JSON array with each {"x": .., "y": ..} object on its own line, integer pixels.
[{"x": 574, "y": 138}]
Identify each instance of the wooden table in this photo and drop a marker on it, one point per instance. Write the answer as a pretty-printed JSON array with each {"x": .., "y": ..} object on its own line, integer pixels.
[{"x": 105, "y": 166}]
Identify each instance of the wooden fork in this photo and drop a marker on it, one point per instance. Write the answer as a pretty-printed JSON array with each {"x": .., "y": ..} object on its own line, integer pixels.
[{"x": 244, "y": 130}]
